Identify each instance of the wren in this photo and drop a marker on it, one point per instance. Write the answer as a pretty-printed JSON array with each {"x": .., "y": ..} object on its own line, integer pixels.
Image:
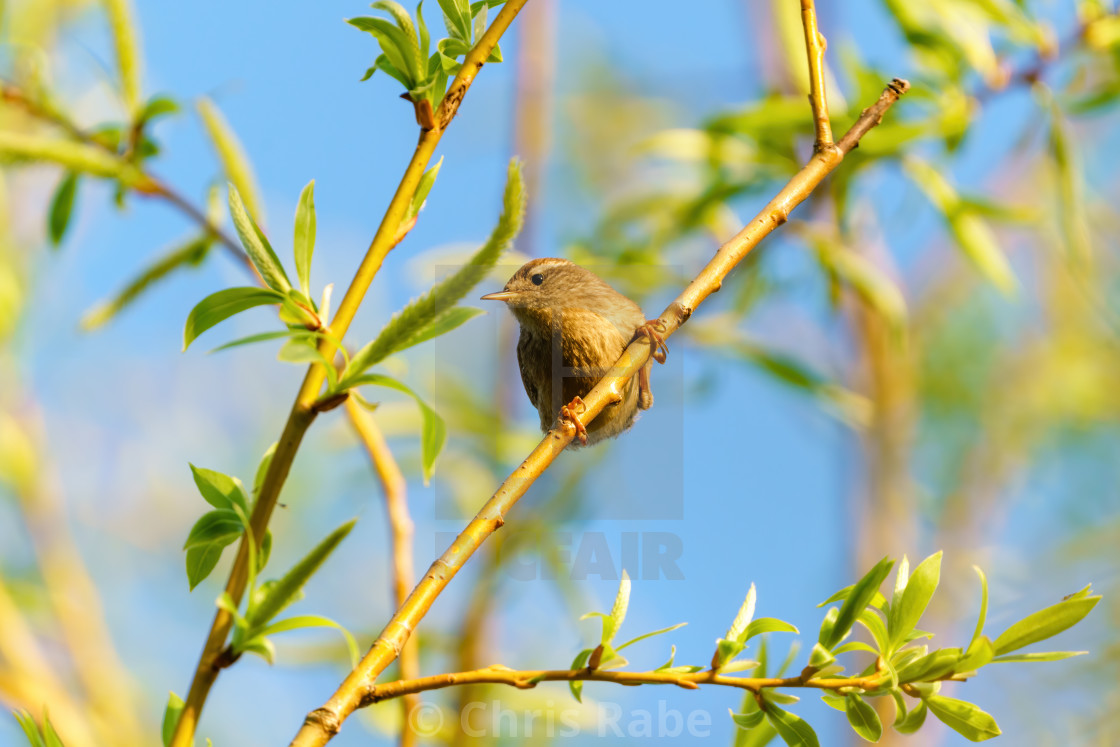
[{"x": 574, "y": 327}]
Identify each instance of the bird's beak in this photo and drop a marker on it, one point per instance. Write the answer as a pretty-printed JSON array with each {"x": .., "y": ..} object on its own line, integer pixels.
[{"x": 499, "y": 296}]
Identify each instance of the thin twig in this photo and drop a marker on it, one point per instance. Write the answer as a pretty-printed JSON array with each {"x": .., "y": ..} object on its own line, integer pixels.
[
  {"x": 401, "y": 530},
  {"x": 815, "y": 45},
  {"x": 324, "y": 722},
  {"x": 527, "y": 679},
  {"x": 303, "y": 410}
]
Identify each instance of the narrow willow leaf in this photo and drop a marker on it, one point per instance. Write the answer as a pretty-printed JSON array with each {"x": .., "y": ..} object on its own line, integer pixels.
[
  {"x": 457, "y": 22},
  {"x": 256, "y": 244},
  {"x": 964, "y": 718},
  {"x": 1035, "y": 657},
  {"x": 304, "y": 350},
  {"x": 861, "y": 595},
  {"x": 747, "y": 720},
  {"x": 314, "y": 621},
  {"x": 913, "y": 720},
  {"x": 870, "y": 619},
  {"x": 1045, "y": 624},
  {"x": 669, "y": 629},
  {"x": 126, "y": 43},
  {"x": 284, "y": 591},
  {"x": 220, "y": 491},
  {"x": 932, "y": 666},
  {"x": 868, "y": 280},
  {"x": 62, "y": 206},
  {"x": 397, "y": 47},
  {"x": 190, "y": 253},
  {"x": 433, "y": 430},
  {"x": 303, "y": 244},
  {"x": 743, "y": 617},
  {"x": 30, "y": 728},
  {"x": 836, "y": 702},
  {"x": 863, "y": 718},
  {"x": 793, "y": 730},
  {"x": 618, "y": 609},
  {"x": 262, "y": 337},
  {"x": 442, "y": 323},
  {"x": 983, "y": 606},
  {"x": 87, "y": 159},
  {"x": 171, "y": 718},
  {"x": 418, "y": 315},
  {"x": 970, "y": 231},
  {"x": 262, "y": 470},
  {"x": 218, "y": 307},
  {"x": 905, "y": 614},
  {"x": 235, "y": 163},
  {"x": 422, "y": 190}
]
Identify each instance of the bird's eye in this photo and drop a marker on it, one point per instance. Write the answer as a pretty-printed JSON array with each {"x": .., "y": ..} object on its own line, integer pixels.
[{"x": 537, "y": 279}]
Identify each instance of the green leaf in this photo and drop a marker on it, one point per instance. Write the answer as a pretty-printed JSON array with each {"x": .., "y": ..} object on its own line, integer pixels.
[
  {"x": 456, "y": 20},
  {"x": 314, "y": 621},
  {"x": 979, "y": 653},
  {"x": 618, "y": 609},
  {"x": 412, "y": 322},
  {"x": 1035, "y": 657},
  {"x": 398, "y": 47},
  {"x": 747, "y": 720},
  {"x": 1045, "y": 623},
  {"x": 870, "y": 619},
  {"x": 220, "y": 491},
  {"x": 669, "y": 629},
  {"x": 767, "y": 625},
  {"x": 262, "y": 470},
  {"x": 304, "y": 350},
  {"x": 50, "y": 736},
  {"x": 219, "y": 526},
  {"x": 433, "y": 430},
  {"x": 284, "y": 591},
  {"x": 256, "y": 245},
  {"x": 791, "y": 728},
  {"x": 576, "y": 686},
  {"x": 983, "y": 606},
  {"x": 907, "y": 611},
  {"x": 743, "y": 617},
  {"x": 932, "y": 666},
  {"x": 157, "y": 106},
  {"x": 171, "y": 718},
  {"x": 62, "y": 206},
  {"x": 30, "y": 728},
  {"x": 265, "y": 337},
  {"x": 964, "y": 718},
  {"x": 191, "y": 252},
  {"x": 861, "y": 595},
  {"x": 422, "y": 190},
  {"x": 127, "y": 46},
  {"x": 234, "y": 161},
  {"x": 970, "y": 231},
  {"x": 201, "y": 561},
  {"x": 217, "y": 307},
  {"x": 863, "y": 718},
  {"x": 913, "y": 720},
  {"x": 87, "y": 159},
  {"x": 304, "y": 242}
]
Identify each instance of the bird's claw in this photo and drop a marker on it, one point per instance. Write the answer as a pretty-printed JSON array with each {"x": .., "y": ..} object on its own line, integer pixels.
[
  {"x": 569, "y": 411},
  {"x": 653, "y": 331}
]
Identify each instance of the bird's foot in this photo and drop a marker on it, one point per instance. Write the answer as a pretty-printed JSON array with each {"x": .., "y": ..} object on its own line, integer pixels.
[
  {"x": 653, "y": 330},
  {"x": 569, "y": 411}
]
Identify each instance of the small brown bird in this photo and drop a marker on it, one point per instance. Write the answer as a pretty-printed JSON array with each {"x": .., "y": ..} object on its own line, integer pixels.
[{"x": 573, "y": 329}]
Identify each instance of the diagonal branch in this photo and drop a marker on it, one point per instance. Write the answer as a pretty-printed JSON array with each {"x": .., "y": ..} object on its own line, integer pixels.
[
  {"x": 324, "y": 722},
  {"x": 815, "y": 45}
]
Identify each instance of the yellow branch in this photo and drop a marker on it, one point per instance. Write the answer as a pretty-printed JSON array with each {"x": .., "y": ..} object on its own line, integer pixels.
[
  {"x": 815, "y": 46},
  {"x": 303, "y": 411},
  {"x": 323, "y": 723}
]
